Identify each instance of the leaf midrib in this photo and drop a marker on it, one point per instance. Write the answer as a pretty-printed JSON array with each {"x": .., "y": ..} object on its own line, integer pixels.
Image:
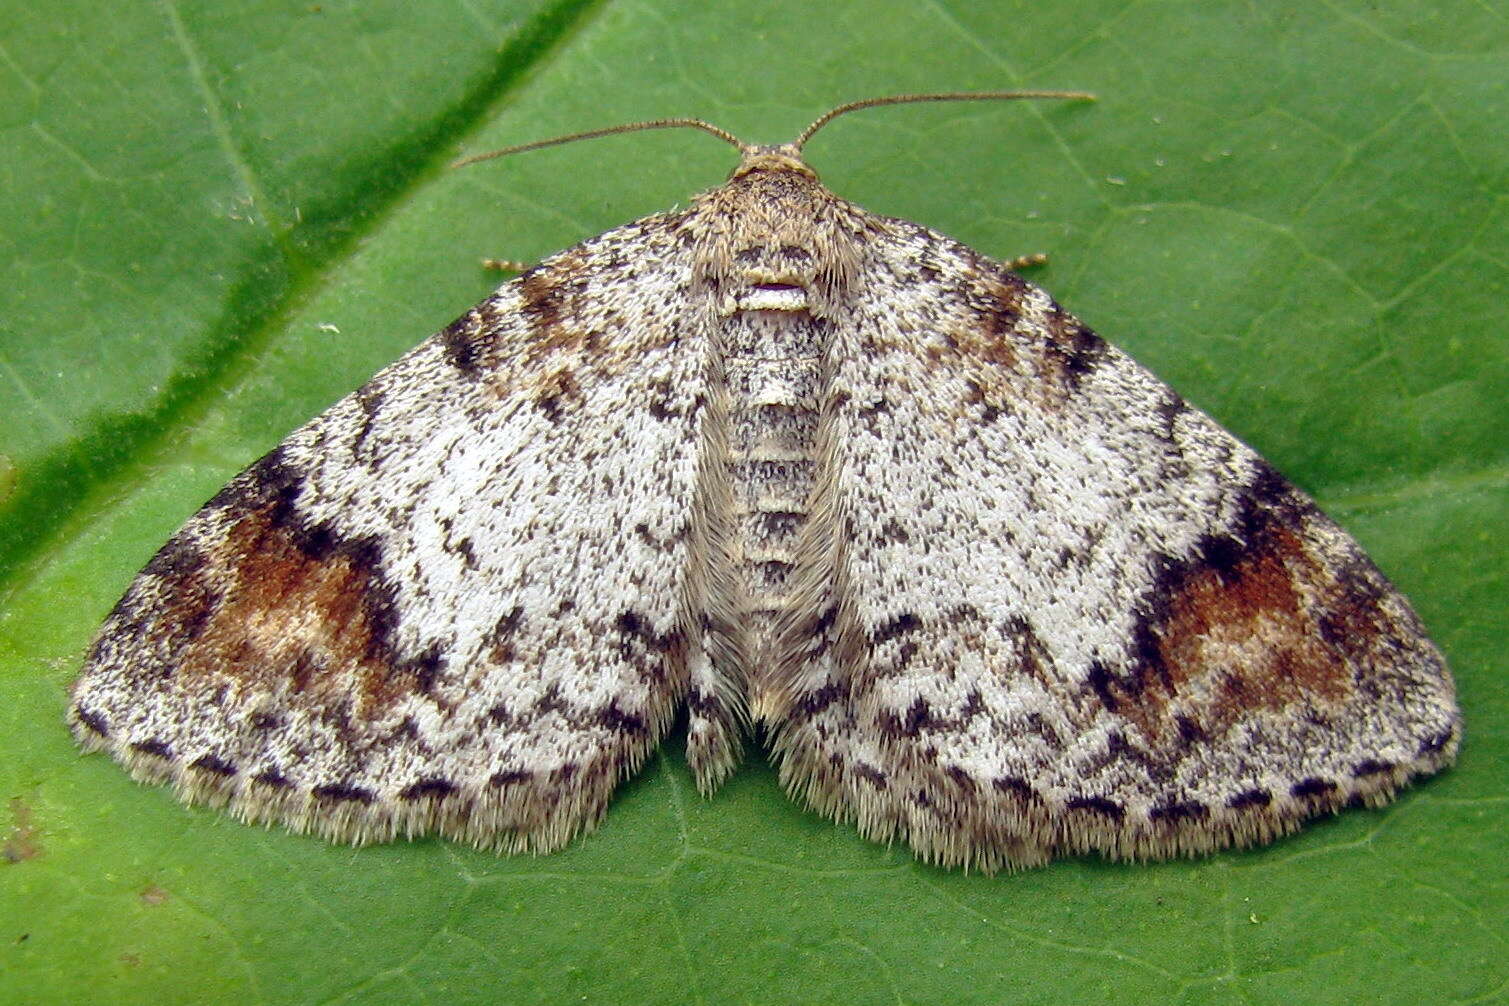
[{"x": 50, "y": 522}]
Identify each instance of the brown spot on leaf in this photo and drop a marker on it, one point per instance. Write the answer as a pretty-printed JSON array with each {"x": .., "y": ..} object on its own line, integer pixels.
[
  {"x": 21, "y": 844},
  {"x": 153, "y": 895}
]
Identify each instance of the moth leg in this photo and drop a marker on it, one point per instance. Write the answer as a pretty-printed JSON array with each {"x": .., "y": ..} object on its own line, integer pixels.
[
  {"x": 1026, "y": 261},
  {"x": 505, "y": 264}
]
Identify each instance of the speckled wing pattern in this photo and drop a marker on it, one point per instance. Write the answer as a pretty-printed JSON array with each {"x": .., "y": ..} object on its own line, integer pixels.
[
  {"x": 455, "y": 601},
  {"x": 1068, "y": 611},
  {"x": 987, "y": 584}
]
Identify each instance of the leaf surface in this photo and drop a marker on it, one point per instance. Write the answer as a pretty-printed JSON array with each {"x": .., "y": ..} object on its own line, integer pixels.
[{"x": 218, "y": 219}]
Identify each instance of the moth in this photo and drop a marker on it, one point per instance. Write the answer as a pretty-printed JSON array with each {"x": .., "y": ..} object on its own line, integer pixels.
[{"x": 984, "y": 583}]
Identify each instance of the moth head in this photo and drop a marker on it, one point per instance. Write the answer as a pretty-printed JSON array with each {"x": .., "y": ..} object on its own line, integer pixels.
[{"x": 784, "y": 157}]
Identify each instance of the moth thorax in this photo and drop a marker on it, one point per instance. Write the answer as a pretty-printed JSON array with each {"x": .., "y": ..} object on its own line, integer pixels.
[{"x": 778, "y": 240}]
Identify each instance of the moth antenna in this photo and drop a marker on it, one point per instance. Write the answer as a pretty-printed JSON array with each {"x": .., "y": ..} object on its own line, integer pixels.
[
  {"x": 907, "y": 99},
  {"x": 628, "y": 127}
]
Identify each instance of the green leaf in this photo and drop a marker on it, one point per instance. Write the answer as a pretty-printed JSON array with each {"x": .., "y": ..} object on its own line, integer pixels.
[{"x": 219, "y": 218}]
